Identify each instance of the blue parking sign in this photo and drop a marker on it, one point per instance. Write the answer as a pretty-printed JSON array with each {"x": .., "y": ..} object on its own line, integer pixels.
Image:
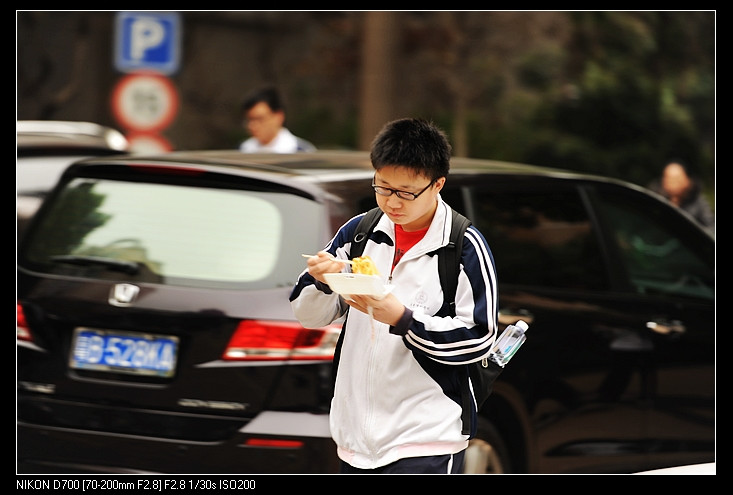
[{"x": 147, "y": 41}]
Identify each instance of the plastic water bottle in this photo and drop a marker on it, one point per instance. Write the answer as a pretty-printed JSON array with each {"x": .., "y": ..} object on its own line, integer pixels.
[{"x": 508, "y": 343}]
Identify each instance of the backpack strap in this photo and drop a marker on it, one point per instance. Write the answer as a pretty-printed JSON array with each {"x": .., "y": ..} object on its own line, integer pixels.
[
  {"x": 363, "y": 229},
  {"x": 449, "y": 260}
]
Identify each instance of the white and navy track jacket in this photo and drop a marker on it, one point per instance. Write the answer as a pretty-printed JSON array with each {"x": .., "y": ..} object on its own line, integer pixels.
[{"x": 397, "y": 390}]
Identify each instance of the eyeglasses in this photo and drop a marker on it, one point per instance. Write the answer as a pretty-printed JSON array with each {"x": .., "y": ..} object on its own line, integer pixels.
[
  {"x": 406, "y": 195},
  {"x": 257, "y": 118}
]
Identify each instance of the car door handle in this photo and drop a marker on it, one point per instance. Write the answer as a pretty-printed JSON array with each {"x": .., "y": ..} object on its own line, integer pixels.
[{"x": 664, "y": 327}]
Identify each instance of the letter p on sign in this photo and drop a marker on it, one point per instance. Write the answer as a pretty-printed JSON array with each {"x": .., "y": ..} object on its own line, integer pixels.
[
  {"x": 147, "y": 41},
  {"x": 146, "y": 34}
]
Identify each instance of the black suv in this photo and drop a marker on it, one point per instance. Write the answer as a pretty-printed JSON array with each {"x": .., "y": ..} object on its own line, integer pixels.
[{"x": 155, "y": 333}]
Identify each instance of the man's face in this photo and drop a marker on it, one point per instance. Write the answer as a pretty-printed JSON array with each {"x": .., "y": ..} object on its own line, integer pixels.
[
  {"x": 262, "y": 123},
  {"x": 410, "y": 214},
  {"x": 675, "y": 182}
]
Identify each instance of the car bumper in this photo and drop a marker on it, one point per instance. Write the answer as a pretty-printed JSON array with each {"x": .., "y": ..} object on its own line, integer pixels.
[{"x": 272, "y": 443}]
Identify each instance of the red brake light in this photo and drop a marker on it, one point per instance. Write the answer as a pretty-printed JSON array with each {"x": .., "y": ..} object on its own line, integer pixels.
[
  {"x": 166, "y": 169},
  {"x": 23, "y": 332},
  {"x": 257, "y": 340},
  {"x": 274, "y": 443}
]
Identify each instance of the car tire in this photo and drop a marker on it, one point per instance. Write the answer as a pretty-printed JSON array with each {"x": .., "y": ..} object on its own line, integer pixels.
[{"x": 487, "y": 452}]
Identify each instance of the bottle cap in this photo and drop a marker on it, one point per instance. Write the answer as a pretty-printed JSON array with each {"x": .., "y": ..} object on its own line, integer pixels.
[{"x": 522, "y": 324}]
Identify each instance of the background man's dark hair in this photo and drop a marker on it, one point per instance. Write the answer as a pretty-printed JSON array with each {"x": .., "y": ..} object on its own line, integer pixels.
[
  {"x": 267, "y": 94},
  {"x": 413, "y": 143}
]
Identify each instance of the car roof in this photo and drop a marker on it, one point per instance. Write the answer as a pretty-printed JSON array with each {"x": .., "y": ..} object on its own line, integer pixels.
[
  {"x": 69, "y": 135},
  {"x": 329, "y": 165},
  {"x": 318, "y": 162}
]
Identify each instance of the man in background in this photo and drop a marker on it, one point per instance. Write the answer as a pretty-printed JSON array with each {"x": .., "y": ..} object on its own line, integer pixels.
[{"x": 264, "y": 117}]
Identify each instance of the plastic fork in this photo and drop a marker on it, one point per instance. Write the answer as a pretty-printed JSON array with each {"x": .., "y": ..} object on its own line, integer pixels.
[{"x": 332, "y": 259}]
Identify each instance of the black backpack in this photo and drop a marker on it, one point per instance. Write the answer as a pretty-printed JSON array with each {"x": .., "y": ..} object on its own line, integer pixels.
[{"x": 483, "y": 373}]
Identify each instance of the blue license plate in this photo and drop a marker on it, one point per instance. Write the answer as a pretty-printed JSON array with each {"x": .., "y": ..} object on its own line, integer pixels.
[{"x": 124, "y": 352}]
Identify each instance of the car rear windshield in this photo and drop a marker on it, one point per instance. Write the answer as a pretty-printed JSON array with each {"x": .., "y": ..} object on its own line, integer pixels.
[{"x": 175, "y": 233}]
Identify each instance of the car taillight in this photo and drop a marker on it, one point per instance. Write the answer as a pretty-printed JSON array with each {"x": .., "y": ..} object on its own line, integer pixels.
[
  {"x": 166, "y": 169},
  {"x": 277, "y": 443},
  {"x": 257, "y": 340},
  {"x": 23, "y": 332}
]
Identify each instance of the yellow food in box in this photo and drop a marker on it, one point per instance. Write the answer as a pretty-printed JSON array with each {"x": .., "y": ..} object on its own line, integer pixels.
[{"x": 364, "y": 265}]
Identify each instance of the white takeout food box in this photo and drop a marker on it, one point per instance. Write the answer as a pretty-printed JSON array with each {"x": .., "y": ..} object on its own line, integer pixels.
[{"x": 357, "y": 284}]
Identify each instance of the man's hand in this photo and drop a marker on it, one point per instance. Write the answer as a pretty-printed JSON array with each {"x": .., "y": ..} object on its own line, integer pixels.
[
  {"x": 387, "y": 309},
  {"x": 322, "y": 263}
]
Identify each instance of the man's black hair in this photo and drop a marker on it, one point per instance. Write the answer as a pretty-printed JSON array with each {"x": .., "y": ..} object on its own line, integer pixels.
[
  {"x": 268, "y": 94},
  {"x": 413, "y": 143}
]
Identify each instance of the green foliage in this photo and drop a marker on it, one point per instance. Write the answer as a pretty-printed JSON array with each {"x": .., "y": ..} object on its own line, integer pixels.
[
  {"x": 77, "y": 202},
  {"x": 637, "y": 89},
  {"x": 320, "y": 125}
]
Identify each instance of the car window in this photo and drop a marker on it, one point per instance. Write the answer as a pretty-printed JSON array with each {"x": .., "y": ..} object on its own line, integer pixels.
[
  {"x": 540, "y": 238},
  {"x": 657, "y": 248},
  {"x": 181, "y": 235}
]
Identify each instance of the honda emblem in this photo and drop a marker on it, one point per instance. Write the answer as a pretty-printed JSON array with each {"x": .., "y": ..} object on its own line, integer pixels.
[{"x": 123, "y": 294}]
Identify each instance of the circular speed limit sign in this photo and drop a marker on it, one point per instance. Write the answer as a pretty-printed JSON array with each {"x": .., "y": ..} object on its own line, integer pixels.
[{"x": 145, "y": 102}]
